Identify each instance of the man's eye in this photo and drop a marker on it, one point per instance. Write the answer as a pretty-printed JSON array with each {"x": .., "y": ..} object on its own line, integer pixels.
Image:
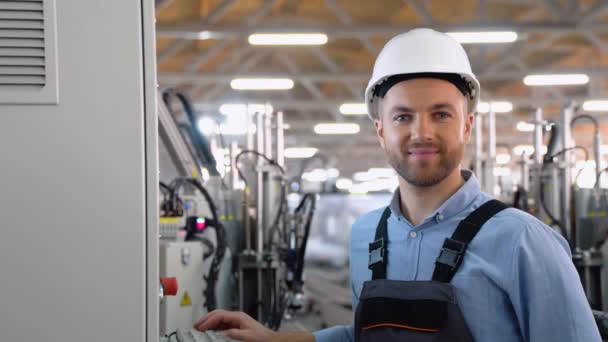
[
  {"x": 401, "y": 117},
  {"x": 442, "y": 115}
]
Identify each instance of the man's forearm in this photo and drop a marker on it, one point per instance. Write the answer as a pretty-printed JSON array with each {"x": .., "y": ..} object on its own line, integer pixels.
[{"x": 299, "y": 336}]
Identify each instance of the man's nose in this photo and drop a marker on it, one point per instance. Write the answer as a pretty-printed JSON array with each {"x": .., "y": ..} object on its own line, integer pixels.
[{"x": 422, "y": 129}]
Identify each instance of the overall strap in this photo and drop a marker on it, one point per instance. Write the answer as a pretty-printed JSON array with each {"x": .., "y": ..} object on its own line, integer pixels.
[
  {"x": 454, "y": 248},
  {"x": 377, "y": 250}
]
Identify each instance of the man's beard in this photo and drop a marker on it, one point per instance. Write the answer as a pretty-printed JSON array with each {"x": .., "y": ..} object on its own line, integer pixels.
[{"x": 425, "y": 173}]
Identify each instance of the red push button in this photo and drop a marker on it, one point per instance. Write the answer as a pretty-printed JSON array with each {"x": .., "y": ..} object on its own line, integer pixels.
[{"x": 169, "y": 286}]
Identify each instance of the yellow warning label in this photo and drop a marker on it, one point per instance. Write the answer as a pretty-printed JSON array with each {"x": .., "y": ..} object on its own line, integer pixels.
[
  {"x": 186, "y": 301},
  {"x": 171, "y": 220}
]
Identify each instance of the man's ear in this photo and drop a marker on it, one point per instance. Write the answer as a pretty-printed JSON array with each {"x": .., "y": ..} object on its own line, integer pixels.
[
  {"x": 379, "y": 131},
  {"x": 468, "y": 126}
]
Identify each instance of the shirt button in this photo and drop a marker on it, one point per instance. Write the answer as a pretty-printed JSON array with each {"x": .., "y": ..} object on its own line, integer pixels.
[
  {"x": 440, "y": 217},
  {"x": 413, "y": 235}
]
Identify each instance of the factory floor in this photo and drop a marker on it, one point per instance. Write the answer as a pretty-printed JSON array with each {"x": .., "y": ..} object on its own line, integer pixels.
[{"x": 328, "y": 301}]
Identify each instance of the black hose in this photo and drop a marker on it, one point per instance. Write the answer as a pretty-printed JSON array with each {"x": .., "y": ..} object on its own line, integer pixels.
[
  {"x": 520, "y": 199},
  {"x": 596, "y": 125},
  {"x": 198, "y": 140},
  {"x": 256, "y": 153},
  {"x": 210, "y": 300},
  {"x": 547, "y": 160},
  {"x": 302, "y": 250},
  {"x": 553, "y": 139}
]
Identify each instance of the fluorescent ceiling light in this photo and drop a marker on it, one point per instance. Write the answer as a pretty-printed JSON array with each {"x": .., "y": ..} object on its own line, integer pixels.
[
  {"x": 563, "y": 79},
  {"x": 381, "y": 172},
  {"x": 203, "y": 35},
  {"x": 527, "y": 150},
  {"x": 344, "y": 184},
  {"x": 243, "y": 108},
  {"x": 496, "y": 106},
  {"x": 502, "y": 171},
  {"x": 484, "y": 37},
  {"x": 523, "y": 126},
  {"x": 207, "y": 126},
  {"x": 353, "y": 109},
  {"x": 596, "y": 105},
  {"x": 261, "y": 84},
  {"x": 333, "y": 173},
  {"x": 316, "y": 175},
  {"x": 503, "y": 158},
  {"x": 288, "y": 39},
  {"x": 300, "y": 152},
  {"x": 358, "y": 189},
  {"x": 232, "y": 126},
  {"x": 363, "y": 176},
  {"x": 337, "y": 128}
]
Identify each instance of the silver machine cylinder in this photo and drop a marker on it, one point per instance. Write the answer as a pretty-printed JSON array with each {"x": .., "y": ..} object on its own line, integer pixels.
[
  {"x": 280, "y": 139},
  {"x": 537, "y": 156},
  {"x": 597, "y": 155},
  {"x": 489, "y": 179},
  {"x": 259, "y": 185},
  {"x": 525, "y": 173},
  {"x": 260, "y": 238},
  {"x": 566, "y": 174}
]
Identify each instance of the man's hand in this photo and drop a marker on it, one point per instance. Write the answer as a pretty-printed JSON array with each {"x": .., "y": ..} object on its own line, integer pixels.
[
  {"x": 236, "y": 325},
  {"x": 240, "y": 326}
]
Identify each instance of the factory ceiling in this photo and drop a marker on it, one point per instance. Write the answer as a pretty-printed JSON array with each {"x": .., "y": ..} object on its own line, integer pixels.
[{"x": 203, "y": 44}]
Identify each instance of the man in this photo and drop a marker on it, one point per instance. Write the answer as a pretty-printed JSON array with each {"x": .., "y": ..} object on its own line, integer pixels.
[{"x": 444, "y": 262}]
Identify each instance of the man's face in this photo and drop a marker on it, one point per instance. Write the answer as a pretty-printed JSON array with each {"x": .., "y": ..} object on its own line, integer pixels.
[{"x": 423, "y": 128}]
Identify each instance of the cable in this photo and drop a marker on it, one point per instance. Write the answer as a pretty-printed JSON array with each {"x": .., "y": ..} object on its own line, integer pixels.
[
  {"x": 165, "y": 187},
  {"x": 210, "y": 301},
  {"x": 301, "y": 251},
  {"x": 548, "y": 160},
  {"x": 270, "y": 161},
  {"x": 589, "y": 117},
  {"x": 198, "y": 140},
  {"x": 599, "y": 175},
  {"x": 520, "y": 199}
]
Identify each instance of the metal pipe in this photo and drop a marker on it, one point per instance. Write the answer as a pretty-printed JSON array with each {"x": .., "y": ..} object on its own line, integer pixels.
[
  {"x": 280, "y": 139},
  {"x": 525, "y": 173},
  {"x": 566, "y": 175},
  {"x": 233, "y": 172},
  {"x": 597, "y": 145},
  {"x": 249, "y": 117},
  {"x": 489, "y": 179},
  {"x": 537, "y": 156},
  {"x": 538, "y": 136},
  {"x": 259, "y": 209},
  {"x": 478, "y": 147},
  {"x": 268, "y": 134},
  {"x": 260, "y": 185}
]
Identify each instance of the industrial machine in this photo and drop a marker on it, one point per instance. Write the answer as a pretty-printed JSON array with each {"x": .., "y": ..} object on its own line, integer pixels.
[
  {"x": 549, "y": 190},
  {"x": 226, "y": 231}
]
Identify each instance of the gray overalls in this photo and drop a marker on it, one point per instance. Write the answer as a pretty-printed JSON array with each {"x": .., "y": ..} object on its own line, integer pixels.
[{"x": 417, "y": 311}]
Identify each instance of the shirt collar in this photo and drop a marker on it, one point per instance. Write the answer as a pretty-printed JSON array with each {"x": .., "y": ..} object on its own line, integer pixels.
[{"x": 459, "y": 201}]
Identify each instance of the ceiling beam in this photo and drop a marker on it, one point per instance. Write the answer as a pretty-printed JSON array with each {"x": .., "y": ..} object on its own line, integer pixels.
[
  {"x": 307, "y": 104},
  {"x": 312, "y": 88},
  {"x": 192, "y": 30},
  {"x": 226, "y": 77},
  {"x": 421, "y": 11},
  {"x": 596, "y": 11},
  {"x": 173, "y": 49}
]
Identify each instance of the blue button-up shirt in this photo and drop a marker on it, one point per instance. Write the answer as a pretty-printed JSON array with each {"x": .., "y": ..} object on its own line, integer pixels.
[{"x": 516, "y": 283}]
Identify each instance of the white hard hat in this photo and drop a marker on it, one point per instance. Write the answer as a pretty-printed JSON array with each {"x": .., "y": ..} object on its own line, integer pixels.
[{"x": 421, "y": 50}]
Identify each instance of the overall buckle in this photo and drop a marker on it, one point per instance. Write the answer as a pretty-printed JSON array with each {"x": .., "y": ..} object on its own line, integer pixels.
[
  {"x": 376, "y": 253},
  {"x": 452, "y": 253}
]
